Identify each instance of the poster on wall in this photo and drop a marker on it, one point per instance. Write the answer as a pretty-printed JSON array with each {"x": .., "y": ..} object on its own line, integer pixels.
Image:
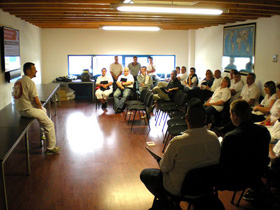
[
  {"x": 11, "y": 49},
  {"x": 239, "y": 47}
]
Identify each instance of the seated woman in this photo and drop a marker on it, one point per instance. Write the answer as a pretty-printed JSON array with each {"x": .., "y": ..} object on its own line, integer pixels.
[
  {"x": 216, "y": 103},
  {"x": 274, "y": 111},
  {"x": 104, "y": 85},
  {"x": 260, "y": 111},
  {"x": 191, "y": 81}
]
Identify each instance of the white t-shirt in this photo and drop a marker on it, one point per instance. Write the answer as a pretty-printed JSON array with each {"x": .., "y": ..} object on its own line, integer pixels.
[
  {"x": 216, "y": 84},
  {"x": 220, "y": 94},
  {"x": 129, "y": 78},
  {"x": 183, "y": 77},
  {"x": 237, "y": 87},
  {"x": 116, "y": 68},
  {"x": 150, "y": 68},
  {"x": 275, "y": 131},
  {"x": 275, "y": 111},
  {"x": 105, "y": 78},
  {"x": 252, "y": 92},
  {"x": 267, "y": 100},
  {"x": 24, "y": 93}
]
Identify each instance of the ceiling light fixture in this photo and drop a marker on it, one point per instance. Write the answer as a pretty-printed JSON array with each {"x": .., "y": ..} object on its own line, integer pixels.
[
  {"x": 131, "y": 28},
  {"x": 171, "y": 9}
]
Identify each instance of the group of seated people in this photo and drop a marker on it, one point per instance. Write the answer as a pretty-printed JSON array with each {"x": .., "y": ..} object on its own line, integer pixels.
[
  {"x": 247, "y": 148},
  {"x": 243, "y": 157}
]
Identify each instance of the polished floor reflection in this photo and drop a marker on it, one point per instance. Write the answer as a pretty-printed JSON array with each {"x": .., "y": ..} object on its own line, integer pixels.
[{"x": 98, "y": 167}]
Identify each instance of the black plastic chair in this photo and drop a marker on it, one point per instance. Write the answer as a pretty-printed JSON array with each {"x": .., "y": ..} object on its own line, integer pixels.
[
  {"x": 198, "y": 185},
  {"x": 144, "y": 108}
]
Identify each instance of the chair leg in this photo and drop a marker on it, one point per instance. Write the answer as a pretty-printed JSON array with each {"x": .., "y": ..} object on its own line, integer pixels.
[
  {"x": 133, "y": 120},
  {"x": 233, "y": 197},
  {"x": 240, "y": 197}
]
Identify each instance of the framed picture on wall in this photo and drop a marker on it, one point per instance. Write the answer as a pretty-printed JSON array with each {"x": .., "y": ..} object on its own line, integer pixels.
[{"x": 239, "y": 47}]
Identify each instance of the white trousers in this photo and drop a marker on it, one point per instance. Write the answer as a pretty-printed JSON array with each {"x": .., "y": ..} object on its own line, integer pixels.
[
  {"x": 103, "y": 94},
  {"x": 45, "y": 122}
]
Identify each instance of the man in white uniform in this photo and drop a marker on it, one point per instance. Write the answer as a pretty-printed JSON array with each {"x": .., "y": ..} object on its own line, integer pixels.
[
  {"x": 28, "y": 105},
  {"x": 116, "y": 70},
  {"x": 104, "y": 82},
  {"x": 250, "y": 91},
  {"x": 236, "y": 86},
  {"x": 151, "y": 70},
  {"x": 124, "y": 90}
]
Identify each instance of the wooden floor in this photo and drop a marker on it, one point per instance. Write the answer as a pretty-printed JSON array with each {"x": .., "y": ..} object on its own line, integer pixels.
[{"x": 97, "y": 168}]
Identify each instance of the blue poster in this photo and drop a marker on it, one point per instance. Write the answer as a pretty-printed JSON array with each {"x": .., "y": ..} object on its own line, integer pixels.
[{"x": 239, "y": 41}]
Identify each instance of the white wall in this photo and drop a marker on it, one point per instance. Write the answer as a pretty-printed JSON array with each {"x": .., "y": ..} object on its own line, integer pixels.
[
  {"x": 209, "y": 48},
  {"x": 30, "y": 50},
  {"x": 58, "y": 43}
]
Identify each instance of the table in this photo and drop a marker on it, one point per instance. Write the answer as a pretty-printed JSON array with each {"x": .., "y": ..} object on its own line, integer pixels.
[
  {"x": 13, "y": 128},
  {"x": 80, "y": 88},
  {"x": 47, "y": 92}
]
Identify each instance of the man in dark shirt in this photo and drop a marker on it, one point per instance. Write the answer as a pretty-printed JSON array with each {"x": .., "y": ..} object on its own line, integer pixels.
[
  {"x": 168, "y": 92},
  {"x": 244, "y": 151}
]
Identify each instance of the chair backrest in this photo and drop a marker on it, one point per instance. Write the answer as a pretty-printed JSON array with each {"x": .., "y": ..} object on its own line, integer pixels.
[
  {"x": 143, "y": 94},
  {"x": 199, "y": 181},
  {"x": 148, "y": 103},
  {"x": 181, "y": 100},
  {"x": 177, "y": 95}
]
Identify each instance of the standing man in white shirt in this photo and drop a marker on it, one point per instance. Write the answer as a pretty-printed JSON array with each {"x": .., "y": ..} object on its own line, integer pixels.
[
  {"x": 104, "y": 82},
  {"x": 28, "y": 105},
  {"x": 151, "y": 70},
  {"x": 116, "y": 70}
]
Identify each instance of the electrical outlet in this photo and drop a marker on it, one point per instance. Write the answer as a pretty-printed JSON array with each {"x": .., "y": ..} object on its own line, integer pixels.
[{"x": 275, "y": 58}]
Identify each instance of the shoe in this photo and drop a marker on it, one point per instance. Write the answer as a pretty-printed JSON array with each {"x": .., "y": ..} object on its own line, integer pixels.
[
  {"x": 53, "y": 151},
  {"x": 43, "y": 137},
  {"x": 250, "y": 195}
]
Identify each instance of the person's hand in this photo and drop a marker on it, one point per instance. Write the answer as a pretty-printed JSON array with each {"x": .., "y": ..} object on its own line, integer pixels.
[
  {"x": 142, "y": 84},
  {"x": 256, "y": 108},
  {"x": 207, "y": 88},
  {"x": 207, "y": 104}
]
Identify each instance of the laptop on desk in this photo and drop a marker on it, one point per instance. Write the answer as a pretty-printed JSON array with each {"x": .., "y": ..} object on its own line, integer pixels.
[{"x": 157, "y": 157}]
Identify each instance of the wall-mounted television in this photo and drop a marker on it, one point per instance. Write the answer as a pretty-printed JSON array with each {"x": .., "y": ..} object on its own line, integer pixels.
[
  {"x": 10, "y": 53},
  {"x": 10, "y": 50}
]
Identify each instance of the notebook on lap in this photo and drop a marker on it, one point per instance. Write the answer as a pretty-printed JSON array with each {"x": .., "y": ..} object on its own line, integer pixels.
[{"x": 157, "y": 157}]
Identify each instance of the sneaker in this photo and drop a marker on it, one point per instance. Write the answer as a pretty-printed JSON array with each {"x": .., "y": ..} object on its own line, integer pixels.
[
  {"x": 250, "y": 195},
  {"x": 43, "y": 137},
  {"x": 53, "y": 151}
]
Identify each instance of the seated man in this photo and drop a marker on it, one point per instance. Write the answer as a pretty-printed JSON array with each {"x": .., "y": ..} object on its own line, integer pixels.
[
  {"x": 144, "y": 80},
  {"x": 216, "y": 103},
  {"x": 191, "y": 81},
  {"x": 167, "y": 93},
  {"x": 244, "y": 151},
  {"x": 28, "y": 105},
  {"x": 236, "y": 86},
  {"x": 251, "y": 92},
  {"x": 124, "y": 90},
  {"x": 196, "y": 147},
  {"x": 104, "y": 82}
]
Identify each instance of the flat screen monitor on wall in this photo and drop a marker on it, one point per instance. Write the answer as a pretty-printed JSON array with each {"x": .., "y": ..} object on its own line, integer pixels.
[{"x": 10, "y": 51}]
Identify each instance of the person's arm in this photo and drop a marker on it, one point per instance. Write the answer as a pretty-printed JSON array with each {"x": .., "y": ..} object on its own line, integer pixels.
[
  {"x": 272, "y": 155},
  {"x": 37, "y": 102},
  {"x": 152, "y": 70},
  {"x": 207, "y": 102},
  {"x": 167, "y": 161},
  {"x": 218, "y": 103},
  {"x": 251, "y": 101},
  {"x": 113, "y": 75},
  {"x": 264, "y": 109},
  {"x": 233, "y": 92},
  {"x": 119, "y": 84}
]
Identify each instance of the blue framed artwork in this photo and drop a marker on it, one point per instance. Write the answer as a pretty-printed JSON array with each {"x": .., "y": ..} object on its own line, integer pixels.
[{"x": 239, "y": 47}]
